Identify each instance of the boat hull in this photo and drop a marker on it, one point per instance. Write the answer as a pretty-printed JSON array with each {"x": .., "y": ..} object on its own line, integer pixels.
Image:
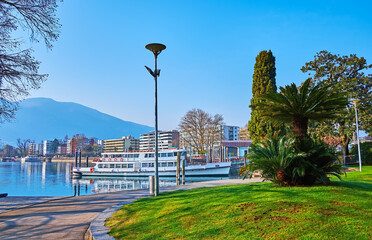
[{"x": 192, "y": 172}]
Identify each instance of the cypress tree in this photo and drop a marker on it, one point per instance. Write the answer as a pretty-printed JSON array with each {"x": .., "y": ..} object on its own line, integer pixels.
[{"x": 263, "y": 82}]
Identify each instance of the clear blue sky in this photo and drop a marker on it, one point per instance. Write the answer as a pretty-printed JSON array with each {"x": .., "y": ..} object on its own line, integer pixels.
[{"x": 99, "y": 58}]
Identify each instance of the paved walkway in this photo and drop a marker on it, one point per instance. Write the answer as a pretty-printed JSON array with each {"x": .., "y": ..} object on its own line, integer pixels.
[{"x": 69, "y": 217}]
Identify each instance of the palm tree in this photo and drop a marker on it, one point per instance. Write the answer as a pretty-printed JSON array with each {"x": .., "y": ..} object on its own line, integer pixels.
[
  {"x": 275, "y": 158},
  {"x": 299, "y": 105}
]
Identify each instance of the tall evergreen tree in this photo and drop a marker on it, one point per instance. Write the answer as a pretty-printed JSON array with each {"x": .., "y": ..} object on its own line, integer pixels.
[{"x": 263, "y": 82}]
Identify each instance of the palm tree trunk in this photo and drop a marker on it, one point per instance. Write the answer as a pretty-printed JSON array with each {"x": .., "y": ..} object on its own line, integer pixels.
[{"x": 300, "y": 125}]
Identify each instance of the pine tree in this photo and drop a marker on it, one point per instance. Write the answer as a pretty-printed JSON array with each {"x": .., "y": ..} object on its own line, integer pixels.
[{"x": 263, "y": 82}]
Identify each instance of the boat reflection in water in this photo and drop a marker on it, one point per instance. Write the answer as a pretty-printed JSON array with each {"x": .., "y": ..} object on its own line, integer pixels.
[{"x": 106, "y": 185}]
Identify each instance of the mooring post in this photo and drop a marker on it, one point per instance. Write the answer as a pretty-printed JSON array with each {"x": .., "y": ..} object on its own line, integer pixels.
[
  {"x": 183, "y": 171},
  {"x": 80, "y": 158},
  {"x": 76, "y": 159},
  {"x": 178, "y": 168},
  {"x": 152, "y": 185},
  {"x": 87, "y": 161}
]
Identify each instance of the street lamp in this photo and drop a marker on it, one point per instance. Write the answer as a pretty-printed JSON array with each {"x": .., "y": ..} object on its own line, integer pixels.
[
  {"x": 156, "y": 49},
  {"x": 355, "y": 101}
]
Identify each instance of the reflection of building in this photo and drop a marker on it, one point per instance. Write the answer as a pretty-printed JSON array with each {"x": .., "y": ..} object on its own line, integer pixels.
[
  {"x": 123, "y": 144},
  {"x": 166, "y": 140}
]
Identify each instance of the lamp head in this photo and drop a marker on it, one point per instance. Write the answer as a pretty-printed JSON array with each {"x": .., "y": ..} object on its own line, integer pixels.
[
  {"x": 355, "y": 101},
  {"x": 156, "y": 48}
]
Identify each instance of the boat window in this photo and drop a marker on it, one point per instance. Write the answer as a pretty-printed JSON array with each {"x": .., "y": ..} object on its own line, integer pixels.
[
  {"x": 125, "y": 166},
  {"x": 146, "y": 155},
  {"x": 163, "y": 164},
  {"x": 183, "y": 154},
  {"x": 125, "y": 155},
  {"x": 105, "y": 165},
  {"x": 170, "y": 164},
  {"x": 145, "y": 164},
  {"x": 118, "y": 166},
  {"x": 112, "y": 165},
  {"x": 175, "y": 154},
  {"x": 151, "y": 164},
  {"x": 151, "y": 155},
  {"x": 136, "y": 155},
  {"x": 163, "y": 155},
  {"x": 170, "y": 154},
  {"x": 100, "y": 165},
  {"x": 130, "y": 165}
]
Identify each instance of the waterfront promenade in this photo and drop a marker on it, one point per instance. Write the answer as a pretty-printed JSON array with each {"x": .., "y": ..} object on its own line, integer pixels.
[{"x": 69, "y": 217}]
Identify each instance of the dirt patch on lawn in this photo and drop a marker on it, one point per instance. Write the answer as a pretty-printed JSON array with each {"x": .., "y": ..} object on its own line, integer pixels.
[
  {"x": 245, "y": 206},
  {"x": 336, "y": 203}
]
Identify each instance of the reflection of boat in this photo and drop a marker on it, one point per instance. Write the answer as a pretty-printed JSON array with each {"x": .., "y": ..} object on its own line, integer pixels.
[
  {"x": 30, "y": 158},
  {"x": 8, "y": 159},
  {"x": 141, "y": 164},
  {"x": 114, "y": 185}
]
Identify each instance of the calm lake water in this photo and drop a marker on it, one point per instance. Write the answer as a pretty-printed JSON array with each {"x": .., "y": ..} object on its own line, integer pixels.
[{"x": 55, "y": 179}]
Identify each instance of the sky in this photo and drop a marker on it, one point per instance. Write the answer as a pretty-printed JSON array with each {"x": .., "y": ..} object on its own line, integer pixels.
[{"x": 98, "y": 60}]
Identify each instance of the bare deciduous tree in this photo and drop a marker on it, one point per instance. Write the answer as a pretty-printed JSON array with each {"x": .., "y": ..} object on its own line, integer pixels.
[
  {"x": 22, "y": 145},
  {"x": 200, "y": 130},
  {"x": 18, "y": 68}
]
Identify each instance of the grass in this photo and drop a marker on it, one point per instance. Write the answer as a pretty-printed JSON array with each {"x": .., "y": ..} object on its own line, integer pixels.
[{"x": 342, "y": 210}]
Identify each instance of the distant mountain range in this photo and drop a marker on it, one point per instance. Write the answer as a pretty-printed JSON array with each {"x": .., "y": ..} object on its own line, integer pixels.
[{"x": 45, "y": 119}]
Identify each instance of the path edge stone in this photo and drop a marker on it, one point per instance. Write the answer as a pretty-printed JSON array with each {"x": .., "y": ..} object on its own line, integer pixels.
[{"x": 97, "y": 229}]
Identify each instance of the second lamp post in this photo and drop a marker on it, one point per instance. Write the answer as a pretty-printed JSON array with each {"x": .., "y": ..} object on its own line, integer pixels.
[{"x": 156, "y": 49}]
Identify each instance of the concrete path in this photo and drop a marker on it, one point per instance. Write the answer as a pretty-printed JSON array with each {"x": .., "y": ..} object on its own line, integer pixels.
[{"x": 69, "y": 217}]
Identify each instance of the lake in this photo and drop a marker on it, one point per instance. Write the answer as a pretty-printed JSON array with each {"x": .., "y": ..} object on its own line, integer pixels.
[{"x": 55, "y": 179}]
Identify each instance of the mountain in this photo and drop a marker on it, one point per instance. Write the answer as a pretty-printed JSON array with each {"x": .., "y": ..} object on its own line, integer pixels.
[{"x": 45, "y": 119}]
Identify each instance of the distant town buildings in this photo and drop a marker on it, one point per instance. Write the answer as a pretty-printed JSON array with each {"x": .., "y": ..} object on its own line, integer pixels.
[
  {"x": 123, "y": 144},
  {"x": 35, "y": 148},
  {"x": 244, "y": 134},
  {"x": 79, "y": 141},
  {"x": 47, "y": 147},
  {"x": 166, "y": 140},
  {"x": 62, "y": 149}
]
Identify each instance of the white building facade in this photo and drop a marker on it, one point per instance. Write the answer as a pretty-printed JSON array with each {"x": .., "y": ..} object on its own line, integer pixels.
[
  {"x": 166, "y": 140},
  {"x": 47, "y": 147}
]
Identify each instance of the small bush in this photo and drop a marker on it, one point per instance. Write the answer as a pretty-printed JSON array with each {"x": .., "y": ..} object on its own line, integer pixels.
[
  {"x": 366, "y": 151},
  {"x": 281, "y": 162}
]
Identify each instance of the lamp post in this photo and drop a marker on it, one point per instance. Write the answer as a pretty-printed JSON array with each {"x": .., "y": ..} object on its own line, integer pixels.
[
  {"x": 355, "y": 101},
  {"x": 156, "y": 49}
]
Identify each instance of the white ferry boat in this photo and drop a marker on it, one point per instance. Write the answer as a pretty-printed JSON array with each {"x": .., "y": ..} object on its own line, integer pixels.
[{"x": 141, "y": 164}]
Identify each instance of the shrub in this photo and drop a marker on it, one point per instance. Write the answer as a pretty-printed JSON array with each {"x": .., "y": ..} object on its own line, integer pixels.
[
  {"x": 281, "y": 162},
  {"x": 366, "y": 151}
]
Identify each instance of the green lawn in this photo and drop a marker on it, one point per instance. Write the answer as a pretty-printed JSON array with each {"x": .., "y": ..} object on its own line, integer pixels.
[{"x": 253, "y": 211}]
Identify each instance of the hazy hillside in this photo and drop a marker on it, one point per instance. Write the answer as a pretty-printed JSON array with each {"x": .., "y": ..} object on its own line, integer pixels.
[{"x": 43, "y": 118}]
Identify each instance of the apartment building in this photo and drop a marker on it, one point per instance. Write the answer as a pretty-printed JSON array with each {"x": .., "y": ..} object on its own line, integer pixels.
[
  {"x": 230, "y": 133},
  {"x": 123, "y": 144},
  {"x": 166, "y": 140}
]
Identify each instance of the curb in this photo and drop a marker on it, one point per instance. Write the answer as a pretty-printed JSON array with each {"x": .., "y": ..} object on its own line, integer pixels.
[{"x": 97, "y": 229}]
